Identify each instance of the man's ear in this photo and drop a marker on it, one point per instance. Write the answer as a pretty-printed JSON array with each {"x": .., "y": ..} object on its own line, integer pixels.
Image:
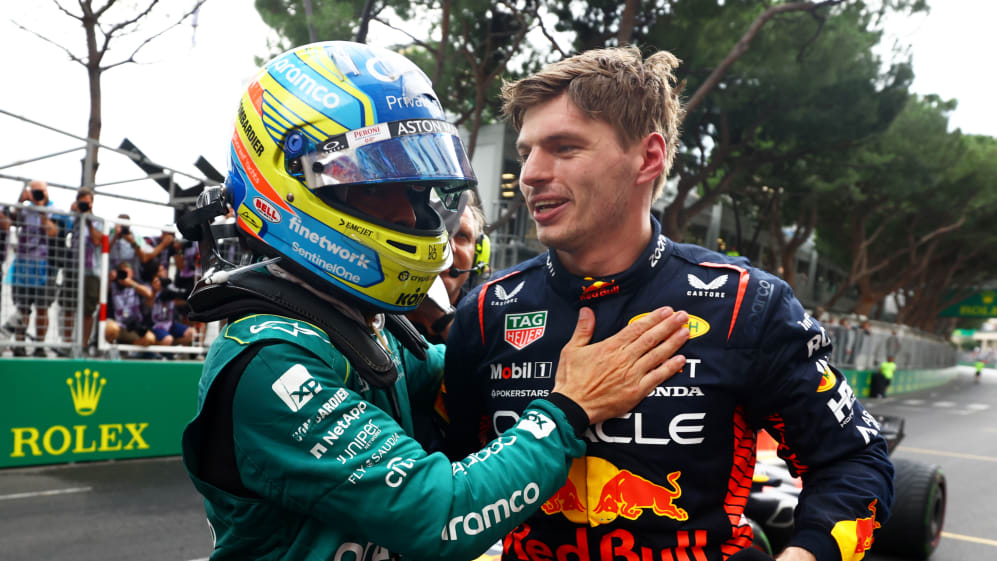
[{"x": 653, "y": 151}]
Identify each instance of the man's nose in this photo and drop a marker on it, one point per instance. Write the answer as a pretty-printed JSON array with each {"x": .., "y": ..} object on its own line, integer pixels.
[
  {"x": 398, "y": 208},
  {"x": 536, "y": 169}
]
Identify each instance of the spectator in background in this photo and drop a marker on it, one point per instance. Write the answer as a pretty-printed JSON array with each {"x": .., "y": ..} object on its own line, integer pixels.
[
  {"x": 87, "y": 228},
  {"x": 187, "y": 260},
  {"x": 29, "y": 272},
  {"x": 161, "y": 302},
  {"x": 882, "y": 378},
  {"x": 156, "y": 259},
  {"x": 848, "y": 331},
  {"x": 893, "y": 344},
  {"x": 433, "y": 318},
  {"x": 4, "y": 229},
  {"x": 468, "y": 266},
  {"x": 124, "y": 246},
  {"x": 129, "y": 325}
]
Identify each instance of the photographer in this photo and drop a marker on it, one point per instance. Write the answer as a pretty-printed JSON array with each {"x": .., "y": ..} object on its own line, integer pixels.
[
  {"x": 124, "y": 246},
  {"x": 29, "y": 272},
  {"x": 129, "y": 325},
  {"x": 88, "y": 228},
  {"x": 165, "y": 327}
]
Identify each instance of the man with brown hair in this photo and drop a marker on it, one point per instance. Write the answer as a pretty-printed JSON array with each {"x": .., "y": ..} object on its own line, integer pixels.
[{"x": 669, "y": 480}]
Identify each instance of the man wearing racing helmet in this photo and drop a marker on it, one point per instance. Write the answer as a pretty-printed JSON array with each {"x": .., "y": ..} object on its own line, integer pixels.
[{"x": 301, "y": 443}]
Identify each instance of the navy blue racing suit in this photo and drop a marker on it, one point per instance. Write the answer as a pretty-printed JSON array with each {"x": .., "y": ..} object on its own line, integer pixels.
[{"x": 669, "y": 480}]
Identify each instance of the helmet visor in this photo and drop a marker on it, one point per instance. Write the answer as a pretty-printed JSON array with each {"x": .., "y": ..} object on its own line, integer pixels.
[{"x": 422, "y": 151}]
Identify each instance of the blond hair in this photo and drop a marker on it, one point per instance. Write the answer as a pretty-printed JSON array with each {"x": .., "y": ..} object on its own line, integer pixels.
[{"x": 618, "y": 86}]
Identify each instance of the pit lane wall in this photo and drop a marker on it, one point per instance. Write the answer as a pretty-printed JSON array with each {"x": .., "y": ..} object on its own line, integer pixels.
[{"x": 60, "y": 411}]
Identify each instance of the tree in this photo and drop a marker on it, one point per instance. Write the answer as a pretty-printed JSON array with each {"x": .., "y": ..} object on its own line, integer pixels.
[
  {"x": 901, "y": 202},
  {"x": 106, "y": 24},
  {"x": 299, "y": 22}
]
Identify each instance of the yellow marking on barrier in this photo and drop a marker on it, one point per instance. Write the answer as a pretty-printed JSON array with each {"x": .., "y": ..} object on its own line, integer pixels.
[
  {"x": 984, "y": 541},
  {"x": 947, "y": 454}
]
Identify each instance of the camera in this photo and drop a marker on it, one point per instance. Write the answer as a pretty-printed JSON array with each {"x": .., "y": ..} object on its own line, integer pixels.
[
  {"x": 83, "y": 206},
  {"x": 125, "y": 230},
  {"x": 38, "y": 195},
  {"x": 170, "y": 291}
]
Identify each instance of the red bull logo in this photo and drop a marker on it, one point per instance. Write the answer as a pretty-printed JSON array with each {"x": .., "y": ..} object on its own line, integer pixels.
[
  {"x": 827, "y": 381},
  {"x": 616, "y": 545},
  {"x": 608, "y": 492},
  {"x": 565, "y": 500},
  {"x": 855, "y": 537},
  {"x": 629, "y": 495},
  {"x": 598, "y": 289}
]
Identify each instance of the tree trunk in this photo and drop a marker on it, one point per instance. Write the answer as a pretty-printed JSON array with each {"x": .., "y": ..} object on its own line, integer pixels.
[{"x": 627, "y": 21}]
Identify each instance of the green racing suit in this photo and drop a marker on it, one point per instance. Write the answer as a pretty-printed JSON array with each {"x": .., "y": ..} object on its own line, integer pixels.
[{"x": 327, "y": 467}]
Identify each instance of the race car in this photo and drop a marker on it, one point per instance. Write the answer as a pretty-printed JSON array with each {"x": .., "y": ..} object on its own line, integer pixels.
[{"x": 918, "y": 514}]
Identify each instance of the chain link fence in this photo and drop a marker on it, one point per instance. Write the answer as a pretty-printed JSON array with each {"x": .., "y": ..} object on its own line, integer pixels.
[{"x": 75, "y": 284}]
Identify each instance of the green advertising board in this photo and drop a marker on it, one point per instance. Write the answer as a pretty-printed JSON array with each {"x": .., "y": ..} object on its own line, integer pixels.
[
  {"x": 59, "y": 411},
  {"x": 980, "y": 305}
]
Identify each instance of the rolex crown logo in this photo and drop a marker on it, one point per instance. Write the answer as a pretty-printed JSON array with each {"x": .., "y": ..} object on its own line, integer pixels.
[{"x": 86, "y": 392}]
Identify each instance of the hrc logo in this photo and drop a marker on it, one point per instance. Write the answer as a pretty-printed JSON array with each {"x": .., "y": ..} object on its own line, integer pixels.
[{"x": 86, "y": 393}]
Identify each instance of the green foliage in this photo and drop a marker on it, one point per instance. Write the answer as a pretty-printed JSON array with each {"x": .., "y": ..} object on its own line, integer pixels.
[{"x": 332, "y": 20}]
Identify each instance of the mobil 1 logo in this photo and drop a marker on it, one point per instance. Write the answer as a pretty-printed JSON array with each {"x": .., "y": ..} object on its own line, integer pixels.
[{"x": 521, "y": 370}]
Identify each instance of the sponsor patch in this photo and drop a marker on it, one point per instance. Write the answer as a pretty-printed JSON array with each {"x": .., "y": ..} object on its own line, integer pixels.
[
  {"x": 539, "y": 425},
  {"x": 696, "y": 325},
  {"x": 267, "y": 210},
  {"x": 523, "y": 329},
  {"x": 598, "y": 289},
  {"x": 709, "y": 289},
  {"x": 296, "y": 387}
]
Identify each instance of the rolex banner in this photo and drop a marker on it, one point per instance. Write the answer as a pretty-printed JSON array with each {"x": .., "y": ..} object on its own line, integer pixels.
[{"x": 59, "y": 411}]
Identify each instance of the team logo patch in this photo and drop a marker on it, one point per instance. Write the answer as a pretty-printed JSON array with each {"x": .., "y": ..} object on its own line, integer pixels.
[{"x": 523, "y": 329}]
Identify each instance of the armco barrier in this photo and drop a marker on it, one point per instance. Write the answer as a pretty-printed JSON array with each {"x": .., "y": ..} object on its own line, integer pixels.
[{"x": 60, "y": 411}]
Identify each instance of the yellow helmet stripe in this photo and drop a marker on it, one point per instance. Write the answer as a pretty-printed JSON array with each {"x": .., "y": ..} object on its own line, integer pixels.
[
  {"x": 277, "y": 100},
  {"x": 278, "y": 118}
]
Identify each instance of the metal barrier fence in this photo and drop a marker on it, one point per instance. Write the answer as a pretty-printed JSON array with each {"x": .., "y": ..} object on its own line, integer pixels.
[
  {"x": 864, "y": 348},
  {"x": 47, "y": 305}
]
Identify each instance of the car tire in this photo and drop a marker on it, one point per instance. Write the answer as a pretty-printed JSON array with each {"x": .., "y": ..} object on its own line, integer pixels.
[
  {"x": 918, "y": 515},
  {"x": 760, "y": 540}
]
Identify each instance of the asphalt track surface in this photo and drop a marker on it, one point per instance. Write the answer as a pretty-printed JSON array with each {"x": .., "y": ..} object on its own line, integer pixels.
[{"x": 147, "y": 509}]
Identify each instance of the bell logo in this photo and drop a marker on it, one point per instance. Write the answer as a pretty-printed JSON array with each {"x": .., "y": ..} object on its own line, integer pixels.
[
  {"x": 86, "y": 392},
  {"x": 268, "y": 211}
]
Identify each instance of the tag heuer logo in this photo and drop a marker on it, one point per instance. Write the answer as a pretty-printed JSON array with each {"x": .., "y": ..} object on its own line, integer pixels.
[{"x": 523, "y": 329}]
